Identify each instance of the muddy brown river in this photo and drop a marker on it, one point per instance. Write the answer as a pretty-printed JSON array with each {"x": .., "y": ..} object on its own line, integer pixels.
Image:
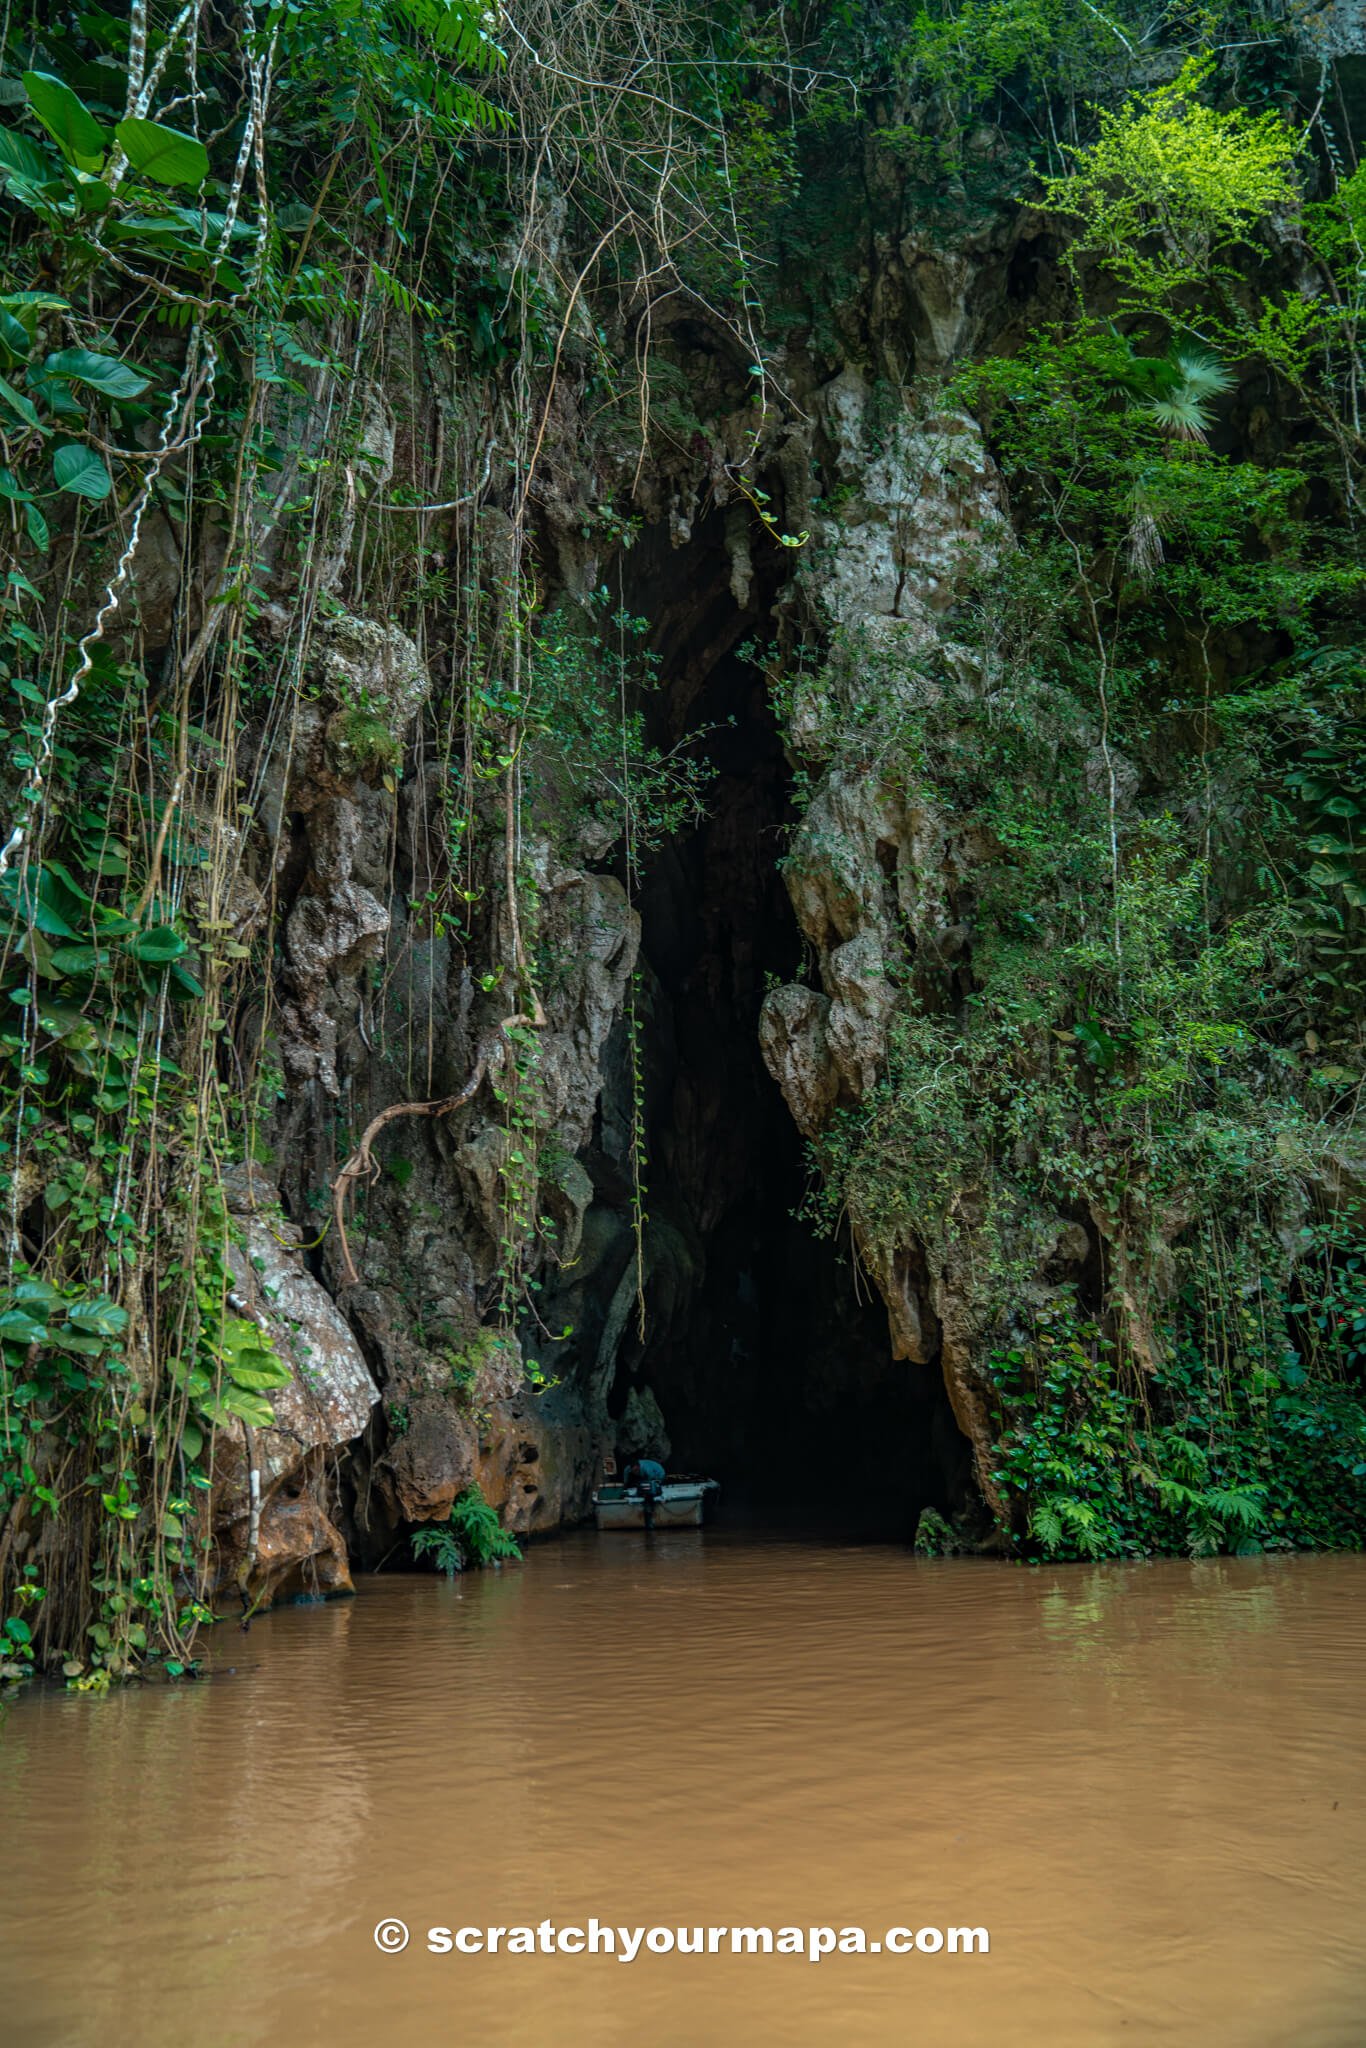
[{"x": 1147, "y": 1783}]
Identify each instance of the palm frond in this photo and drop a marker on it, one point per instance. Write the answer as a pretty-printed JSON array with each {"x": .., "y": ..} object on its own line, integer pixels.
[
  {"x": 1201, "y": 375},
  {"x": 1181, "y": 415}
]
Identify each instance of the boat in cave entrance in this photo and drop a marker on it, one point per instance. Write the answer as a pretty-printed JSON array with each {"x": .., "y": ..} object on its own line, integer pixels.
[{"x": 681, "y": 1501}]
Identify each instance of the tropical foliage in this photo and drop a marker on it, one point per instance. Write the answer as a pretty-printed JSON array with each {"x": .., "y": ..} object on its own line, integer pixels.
[{"x": 281, "y": 290}]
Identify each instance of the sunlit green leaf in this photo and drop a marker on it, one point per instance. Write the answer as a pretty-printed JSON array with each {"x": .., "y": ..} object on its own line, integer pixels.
[
  {"x": 163, "y": 154},
  {"x": 67, "y": 120}
]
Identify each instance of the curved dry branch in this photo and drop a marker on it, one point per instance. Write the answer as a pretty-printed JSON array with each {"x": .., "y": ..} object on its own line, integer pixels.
[{"x": 362, "y": 1166}]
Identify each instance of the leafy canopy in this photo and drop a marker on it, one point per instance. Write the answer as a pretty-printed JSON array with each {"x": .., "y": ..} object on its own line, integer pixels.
[{"x": 1170, "y": 185}]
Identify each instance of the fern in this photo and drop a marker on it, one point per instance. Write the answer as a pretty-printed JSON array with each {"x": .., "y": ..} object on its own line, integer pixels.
[
  {"x": 1084, "y": 1523},
  {"x": 479, "y": 1531},
  {"x": 438, "y": 1541},
  {"x": 1240, "y": 1504},
  {"x": 471, "y": 1538},
  {"x": 457, "y": 31}
]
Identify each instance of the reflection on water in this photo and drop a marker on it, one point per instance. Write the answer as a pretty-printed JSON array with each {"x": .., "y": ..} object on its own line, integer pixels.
[{"x": 1146, "y": 1781}]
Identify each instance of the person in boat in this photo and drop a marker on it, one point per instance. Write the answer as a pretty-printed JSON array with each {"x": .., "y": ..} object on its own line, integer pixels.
[{"x": 647, "y": 1475}]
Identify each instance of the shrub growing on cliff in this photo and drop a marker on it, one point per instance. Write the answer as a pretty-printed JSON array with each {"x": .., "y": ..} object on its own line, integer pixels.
[{"x": 1171, "y": 187}]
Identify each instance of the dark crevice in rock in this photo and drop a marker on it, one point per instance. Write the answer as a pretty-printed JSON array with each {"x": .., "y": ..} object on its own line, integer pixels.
[{"x": 764, "y": 1359}]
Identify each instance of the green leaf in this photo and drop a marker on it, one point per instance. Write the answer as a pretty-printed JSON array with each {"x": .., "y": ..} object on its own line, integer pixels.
[
  {"x": 19, "y": 1328},
  {"x": 67, "y": 120},
  {"x": 248, "y": 1358},
  {"x": 92, "y": 194},
  {"x": 163, "y": 154},
  {"x": 27, "y": 305},
  {"x": 56, "y": 394},
  {"x": 17, "y": 403},
  {"x": 246, "y": 1407},
  {"x": 184, "y": 983},
  {"x": 194, "y": 1379},
  {"x": 66, "y": 1022},
  {"x": 75, "y": 960},
  {"x": 31, "y": 1292},
  {"x": 14, "y": 335},
  {"x": 79, "y": 470},
  {"x": 158, "y": 945},
  {"x": 69, "y": 1338},
  {"x": 101, "y": 1315},
  {"x": 259, "y": 1373},
  {"x": 116, "y": 379},
  {"x": 18, "y": 154}
]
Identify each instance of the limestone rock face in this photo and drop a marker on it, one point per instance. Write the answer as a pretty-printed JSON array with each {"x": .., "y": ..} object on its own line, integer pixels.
[
  {"x": 793, "y": 1035},
  {"x": 432, "y": 1246},
  {"x": 533, "y": 1458},
  {"x": 374, "y": 669},
  {"x": 877, "y": 875},
  {"x": 919, "y": 495},
  {"x": 383, "y": 997},
  {"x": 325, "y": 1407},
  {"x": 429, "y": 1461}
]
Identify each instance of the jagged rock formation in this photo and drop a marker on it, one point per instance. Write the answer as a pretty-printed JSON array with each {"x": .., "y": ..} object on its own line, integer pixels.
[
  {"x": 876, "y": 880},
  {"x": 376, "y": 1005},
  {"x": 491, "y": 1265},
  {"x": 296, "y": 1547}
]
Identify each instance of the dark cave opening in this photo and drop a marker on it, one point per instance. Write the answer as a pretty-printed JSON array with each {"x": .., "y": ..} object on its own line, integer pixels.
[{"x": 766, "y": 1353}]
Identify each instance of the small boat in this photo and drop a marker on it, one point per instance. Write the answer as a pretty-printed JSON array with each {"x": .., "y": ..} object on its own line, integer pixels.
[{"x": 680, "y": 1503}]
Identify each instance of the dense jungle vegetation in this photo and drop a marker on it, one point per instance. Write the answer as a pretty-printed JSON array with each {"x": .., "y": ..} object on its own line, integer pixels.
[{"x": 224, "y": 224}]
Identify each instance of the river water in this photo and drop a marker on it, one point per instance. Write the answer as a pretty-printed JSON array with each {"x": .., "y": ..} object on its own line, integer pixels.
[{"x": 1146, "y": 1782}]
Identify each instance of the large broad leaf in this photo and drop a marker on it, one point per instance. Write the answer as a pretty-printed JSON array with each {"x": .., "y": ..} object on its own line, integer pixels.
[
  {"x": 56, "y": 394},
  {"x": 80, "y": 471},
  {"x": 24, "y": 303},
  {"x": 92, "y": 194},
  {"x": 116, "y": 379},
  {"x": 259, "y": 1372},
  {"x": 67, "y": 120},
  {"x": 67, "y": 1024},
  {"x": 19, "y": 405},
  {"x": 155, "y": 947},
  {"x": 252, "y": 1408},
  {"x": 163, "y": 154},
  {"x": 248, "y": 1358},
  {"x": 37, "y": 905},
  {"x": 15, "y": 336},
  {"x": 100, "y": 1316},
  {"x": 192, "y": 1378},
  {"x": 34, "y": 1294},
  {"x": 19, "y": 310},
  {"x": 18, "y": 1328},
  {"x": 183, "y": 983},
  {"x": 17, "y": 153},
  {"x": 76, "y": 960}
]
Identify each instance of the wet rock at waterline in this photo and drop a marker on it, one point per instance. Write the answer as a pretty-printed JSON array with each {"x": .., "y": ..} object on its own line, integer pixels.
[{"x": 325, "y": 1407}]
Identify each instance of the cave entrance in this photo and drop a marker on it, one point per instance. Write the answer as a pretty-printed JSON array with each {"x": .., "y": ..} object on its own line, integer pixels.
[{"x": 765, "y": 1353}]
